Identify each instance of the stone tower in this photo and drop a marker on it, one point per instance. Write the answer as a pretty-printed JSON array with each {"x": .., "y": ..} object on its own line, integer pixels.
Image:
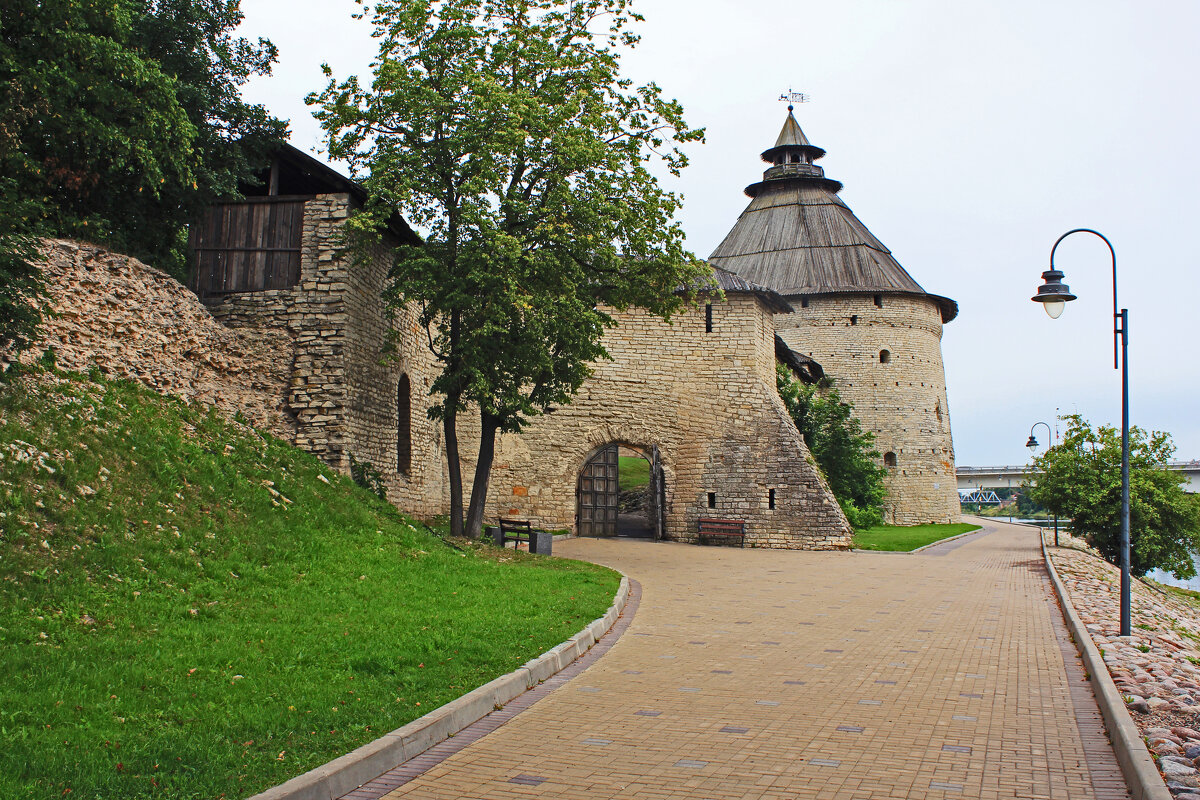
[{"x": 859, "y": 314}]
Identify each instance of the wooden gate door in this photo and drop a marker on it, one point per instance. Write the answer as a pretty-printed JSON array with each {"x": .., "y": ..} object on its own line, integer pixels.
[
  {"x": 657, "y": 499},
  {"x": 598, "y": 494}
]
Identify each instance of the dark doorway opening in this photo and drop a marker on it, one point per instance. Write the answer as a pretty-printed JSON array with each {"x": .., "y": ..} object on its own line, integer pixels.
[{"x": 620, "y": 493}]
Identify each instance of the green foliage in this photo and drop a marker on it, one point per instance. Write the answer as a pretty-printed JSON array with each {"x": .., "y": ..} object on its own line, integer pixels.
[
  {"x": 191, "y": 610},
  {"x": 122, "y": 118},
  {"x": 1081, "y": 479},
  {"x": 504, "y": 131},
  {"x": 368, "y": 477},
  {"x": 906, "y": 538},
  {"x": 22, "y": 293},
  {"x": 632, "y": 472},
  {"x": 842, "y": 449}
]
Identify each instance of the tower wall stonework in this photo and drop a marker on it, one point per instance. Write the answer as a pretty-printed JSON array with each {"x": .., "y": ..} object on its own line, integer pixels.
[
  {"x": 708, "y": 402},
  {"x": 902, "y": 401}
]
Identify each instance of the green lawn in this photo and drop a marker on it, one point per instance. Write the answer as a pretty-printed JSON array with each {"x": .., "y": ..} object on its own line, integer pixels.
[
  {"x": 634, "y": 471},
  {"x": 191, "y": 610},
  {"x": 906, "y": 538}
]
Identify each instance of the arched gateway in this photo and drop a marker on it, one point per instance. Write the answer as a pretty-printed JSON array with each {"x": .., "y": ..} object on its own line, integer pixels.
[{"x": 598, "y": 493}]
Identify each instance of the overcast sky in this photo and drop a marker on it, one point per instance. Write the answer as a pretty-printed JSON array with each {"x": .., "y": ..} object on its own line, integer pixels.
[{"x": 970, "y": 136}]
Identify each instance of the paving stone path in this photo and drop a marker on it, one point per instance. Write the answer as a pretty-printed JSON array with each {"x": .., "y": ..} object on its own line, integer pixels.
[{"x": 778, "y": 674}]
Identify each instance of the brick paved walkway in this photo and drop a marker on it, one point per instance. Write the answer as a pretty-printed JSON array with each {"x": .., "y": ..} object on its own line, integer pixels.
[{"x": 768, "y": 674}]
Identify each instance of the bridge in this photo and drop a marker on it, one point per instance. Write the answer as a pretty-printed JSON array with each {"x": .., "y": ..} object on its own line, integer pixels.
[{"x": 1006, "y": 477}]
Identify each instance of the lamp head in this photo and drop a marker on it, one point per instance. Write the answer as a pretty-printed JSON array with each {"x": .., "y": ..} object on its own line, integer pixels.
[
  {"x": 1053, "y": 294},
  {"x": 1032, "y": 444}
]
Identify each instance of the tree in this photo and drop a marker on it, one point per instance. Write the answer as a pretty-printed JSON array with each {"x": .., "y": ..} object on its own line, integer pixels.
[
  {"x": 503, "y": 130},
  {"x": 121, "y": 118},
  {"x": 1081, "y": 479},
  {"x": 842, "y": 449}
]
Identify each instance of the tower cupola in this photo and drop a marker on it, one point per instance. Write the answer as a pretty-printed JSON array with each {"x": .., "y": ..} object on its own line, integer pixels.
[{"x": 792, "y": 157}]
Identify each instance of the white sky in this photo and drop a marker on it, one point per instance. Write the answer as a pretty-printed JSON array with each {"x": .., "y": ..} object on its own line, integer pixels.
[{"x": 969, "y": 135}]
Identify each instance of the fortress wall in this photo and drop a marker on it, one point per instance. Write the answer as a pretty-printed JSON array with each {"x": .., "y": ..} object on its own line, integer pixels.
[
  {"x": 902, "y": 401},
  {"x": 343, "y": 381},
  {"x": 708, "y": 402},
  {"x": 385, "y": 346},
  {"x": 128, "y": 320}
]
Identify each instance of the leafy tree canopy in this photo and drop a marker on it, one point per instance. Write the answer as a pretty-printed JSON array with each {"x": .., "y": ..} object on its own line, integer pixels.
[
  {"x": 120, "y": 119},
  {"x": 1081, "y": 479},
  {"x": 504, "y": 131},
  {"x": 842, "y": 449}
]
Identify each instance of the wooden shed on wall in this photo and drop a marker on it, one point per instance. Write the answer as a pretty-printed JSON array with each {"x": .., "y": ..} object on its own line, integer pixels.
[{"x": 253, "y": 243}]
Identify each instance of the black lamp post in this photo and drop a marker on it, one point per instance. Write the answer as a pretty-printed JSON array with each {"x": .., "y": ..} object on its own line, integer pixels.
[
  {"x": 1032, "y": 444},
  {"x": 1053, "y": 296}
]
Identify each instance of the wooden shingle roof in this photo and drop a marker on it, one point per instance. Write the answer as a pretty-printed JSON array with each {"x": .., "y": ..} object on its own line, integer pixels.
[{"x": 797, "y": 237}]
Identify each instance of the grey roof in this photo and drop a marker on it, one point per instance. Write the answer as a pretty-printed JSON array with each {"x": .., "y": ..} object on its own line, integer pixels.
[
  {"x": 791, "y": 137},
  {"x": 791, "y": 133},
  {"x": 797, "y": 237},
  {"x": 739, "y": 285}
]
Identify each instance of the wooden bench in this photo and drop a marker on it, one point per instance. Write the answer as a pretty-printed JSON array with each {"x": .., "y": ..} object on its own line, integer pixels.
[
  {"x": 722, "y": 530},
  {"x": 519, "y": 530}
]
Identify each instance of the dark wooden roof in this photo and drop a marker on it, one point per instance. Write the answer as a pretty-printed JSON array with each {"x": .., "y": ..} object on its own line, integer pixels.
[
  {"x": 735, "y": 284},
  {"x": 294, "y": 173},
  {"x": 797, "y": 237},
  {"x": 804, "y": 366},
  {"x": 791, "y": 137}
]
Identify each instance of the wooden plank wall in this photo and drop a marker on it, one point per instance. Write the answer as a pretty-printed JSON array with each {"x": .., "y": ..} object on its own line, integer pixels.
[{"x": 247, "y": 246}]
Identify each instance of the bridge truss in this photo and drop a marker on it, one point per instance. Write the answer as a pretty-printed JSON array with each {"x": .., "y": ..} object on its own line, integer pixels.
[{"x": 977, "y": 496}]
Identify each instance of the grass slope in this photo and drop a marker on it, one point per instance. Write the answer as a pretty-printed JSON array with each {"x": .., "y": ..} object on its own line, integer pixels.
[
  {"x": 632, "y": 472},
  {"x": 907, "y": 537},
  {"x": 191, "y": 610}
]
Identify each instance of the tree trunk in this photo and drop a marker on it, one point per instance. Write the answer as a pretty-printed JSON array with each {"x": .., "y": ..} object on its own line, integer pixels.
[
  {"x": 453, "y": 464},
  {"x": 483, "y": 473}
]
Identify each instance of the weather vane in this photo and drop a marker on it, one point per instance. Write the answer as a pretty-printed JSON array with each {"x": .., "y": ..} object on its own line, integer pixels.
[{"x": 794, "y": 97}]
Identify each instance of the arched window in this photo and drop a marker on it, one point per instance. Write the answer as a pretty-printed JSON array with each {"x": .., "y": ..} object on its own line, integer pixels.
[
  {"x": 884, "y": 356},
  {"x": 404, "y": 425},
  {"x": 889, "y": 459}
]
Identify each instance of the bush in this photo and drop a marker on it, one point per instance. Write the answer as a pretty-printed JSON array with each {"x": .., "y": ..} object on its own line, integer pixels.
[
  {"x": 1081, "y": 479},
  {"x": 842, "y": 449}
]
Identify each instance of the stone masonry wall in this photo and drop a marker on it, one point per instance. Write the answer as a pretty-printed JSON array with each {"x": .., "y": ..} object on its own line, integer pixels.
[
  {"x": 903, "y": 401},
  {"x": 343, "y": 376},
  {"x": 131, "y": 321},
  {"x": 384, "y": 348},
  {"x": 708, "y": 402}
]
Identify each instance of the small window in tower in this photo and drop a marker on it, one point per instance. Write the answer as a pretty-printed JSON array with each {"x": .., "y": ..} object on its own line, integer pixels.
[
  {"x": 712, "y": 499},
  {"x": 889, "y": 459},
  {"x": 708, "y": 317},
  {"x": 854, "y": 319},
  {"x": 884, "y": 356},
  {"x": 771, "y": 499},
  {"x": 878, "y": 301},
  {"x": 804, "y": 302},
  {"x": 795, "y": 158}
]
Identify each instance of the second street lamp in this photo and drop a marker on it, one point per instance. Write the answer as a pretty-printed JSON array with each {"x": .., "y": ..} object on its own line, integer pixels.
[
  {"x": 1053, "y": 295},
  {"x": 1032, "y": 444}
]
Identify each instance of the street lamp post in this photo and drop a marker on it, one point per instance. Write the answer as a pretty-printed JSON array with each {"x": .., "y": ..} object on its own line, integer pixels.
[
  {"x": 1032, "y": 444},
  {"x": 1053, "y": 296}
]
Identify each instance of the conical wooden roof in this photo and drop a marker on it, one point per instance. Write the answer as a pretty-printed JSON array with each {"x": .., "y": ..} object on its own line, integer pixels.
[{"x": 798, "y": 237}]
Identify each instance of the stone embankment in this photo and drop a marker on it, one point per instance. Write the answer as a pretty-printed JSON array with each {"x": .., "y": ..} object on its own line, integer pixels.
[
  {"x": 131, "y": 321},
  {"x": 1157, "y": 669}
]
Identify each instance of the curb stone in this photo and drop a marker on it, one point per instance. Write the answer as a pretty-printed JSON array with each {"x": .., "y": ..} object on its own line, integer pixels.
[
  {"x": 348, "y": 772},
  {"x": 1137, "y": 764}
]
